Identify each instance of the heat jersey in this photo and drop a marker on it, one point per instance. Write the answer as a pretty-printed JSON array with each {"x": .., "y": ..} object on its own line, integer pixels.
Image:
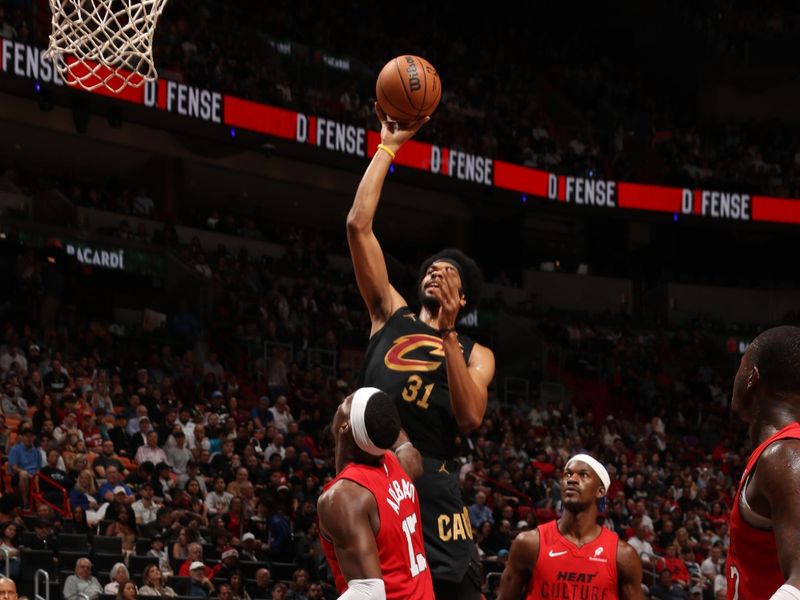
[
  {"x": 753, "y": 570},
  {"x": 404, "y": 567},
  {"x": 405, "y": 359},
  {"x": 565, "y": 571}
]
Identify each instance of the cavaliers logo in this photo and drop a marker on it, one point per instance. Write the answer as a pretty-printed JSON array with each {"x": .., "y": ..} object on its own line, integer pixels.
[{"x": 397, "y": 358}]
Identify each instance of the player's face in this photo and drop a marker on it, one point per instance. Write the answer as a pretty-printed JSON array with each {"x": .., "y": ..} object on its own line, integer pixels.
[
  {"x": 341, "y": 416},
  {"x": 580, "y": 486},
  {"x": 433, "y": 279}
]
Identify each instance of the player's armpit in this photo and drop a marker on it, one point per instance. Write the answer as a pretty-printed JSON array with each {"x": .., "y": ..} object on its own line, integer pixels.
[
  {"x": 629, "y": 572},
  {"x": 521, "y": 562},
  {"x": 777, "y": 479},
  {"x": 345, "y": 512}
]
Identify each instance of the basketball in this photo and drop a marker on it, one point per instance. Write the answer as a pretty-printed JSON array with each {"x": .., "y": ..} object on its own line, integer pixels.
[{"x": 408, "y": 88}]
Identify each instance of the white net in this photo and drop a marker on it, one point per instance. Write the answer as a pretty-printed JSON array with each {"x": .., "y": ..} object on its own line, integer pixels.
[{"x": 104, "y": 43}]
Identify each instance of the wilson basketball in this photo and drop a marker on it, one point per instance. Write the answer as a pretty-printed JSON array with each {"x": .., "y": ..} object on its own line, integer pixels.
[{"x": 408, "y": 88}]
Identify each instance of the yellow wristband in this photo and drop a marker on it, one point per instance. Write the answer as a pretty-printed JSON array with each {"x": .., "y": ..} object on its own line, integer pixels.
[{"x": 386, "y": 149}]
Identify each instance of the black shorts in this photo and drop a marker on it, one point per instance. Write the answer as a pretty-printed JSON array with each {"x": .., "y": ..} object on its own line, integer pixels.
[{"x": 449, "y": 547}]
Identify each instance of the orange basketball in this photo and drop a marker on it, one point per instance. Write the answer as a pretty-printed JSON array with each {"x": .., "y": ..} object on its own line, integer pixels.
[{"x": 408, "y": 88}]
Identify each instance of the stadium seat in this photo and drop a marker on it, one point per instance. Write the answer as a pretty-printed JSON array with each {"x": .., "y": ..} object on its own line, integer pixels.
[
  {"x": 74, "y": 541},
  {"x": 179, "y": 584},
  {"x": 249, "y": 568},
  {"x": 104, "y": 561},
  {"x": 33, "y": 560},
  {"x": 283, "y": 571},
  {"x": 27, "y": 539},
  {"x": 137, "y": 564},
  {"x": 68, "y": 558},
  {"x": 107, "y": 544},
  {"x": 142, "y": 546}
]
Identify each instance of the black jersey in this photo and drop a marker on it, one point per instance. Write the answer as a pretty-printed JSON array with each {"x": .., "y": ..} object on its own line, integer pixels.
[{"x": 406, "y": 360}]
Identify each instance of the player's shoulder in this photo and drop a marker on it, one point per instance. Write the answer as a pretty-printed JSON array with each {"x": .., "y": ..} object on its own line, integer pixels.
[
  {"x": 626, "y": 552},
  {"x": 525, "y": 546},
  {"x": 345, "y": 497},
  {"x": 778, "y": 465}
]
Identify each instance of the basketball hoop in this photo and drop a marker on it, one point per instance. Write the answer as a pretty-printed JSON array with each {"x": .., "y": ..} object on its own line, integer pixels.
[{"x": 104, "y": 43}]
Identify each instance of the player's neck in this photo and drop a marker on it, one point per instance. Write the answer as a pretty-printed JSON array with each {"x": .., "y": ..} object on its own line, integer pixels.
[
  {"x": 580, "y": 528},
  {"x": 772, "y": 418},
  {"x": 429, "y": 317}
]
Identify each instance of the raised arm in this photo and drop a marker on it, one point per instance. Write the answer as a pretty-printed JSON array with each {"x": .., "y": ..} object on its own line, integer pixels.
[
  {"x": 345, "y": 513},
  {"x": 777, "y": 478},
  {"x": 408, "y": 456},
  {"x": 368, "y": 261},
  {"x": 469, "y": 383},
  {"x": 629, "y": 573},
  {"x": 521, "y": 562}
]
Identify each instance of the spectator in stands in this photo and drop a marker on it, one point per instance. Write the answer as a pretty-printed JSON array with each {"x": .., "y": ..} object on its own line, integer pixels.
[
  {"x": 77, "y": 524},
  {"x": 281, "y": 415},
  {"x": 114, "y": 487},
  {"x": 195, "y": 555},
  {"x": 127, "y": 591},
  {"x": 24, "y": 461},
  {"x": 666, "y": 589},
  {"x": 68, "y": 427},
  {"x": 158, "y": 550},
  {"x": 119, "y": 576},
  {"x": 82, "y": 584},
  {"x": 145, "y": 509},
  {"x": 161, "y": 526},
  {"x": 262, "y": 586},
  {"x": 108, "y": 457},
  {"x": 153, "y": 583},
  {"x": 279, "y": 591},
  {"x": 151, "y": 451},
  {"x": 640, "y": 542},
  {"x": 237, "y": 586},
  {"x": 218, "y": 500},
  {"x": 44, "y": 410},
  {"x": 713, "y": 565},
  {"x": 179, "y": 455},
  {"x": 200, "y": 585},
  {"x": 8, "y": 531},
  {"x": 229, "y": 564},
  {"x": 479, "y": 513},
  {"x": 13, "y": 403},
  {"x": 675, "y": 565},
  {"x": 51, "y": 471},
  {"x": 180, "y": 549},
  {"x": 44, "y": 540},
  {"x": 139, "y": 438},
  {"x": 119, "y": 435},
  {"x": 315, "y": 592},
  {"x": 124, "y": 525},
  {"x": 299, "y": 587}
]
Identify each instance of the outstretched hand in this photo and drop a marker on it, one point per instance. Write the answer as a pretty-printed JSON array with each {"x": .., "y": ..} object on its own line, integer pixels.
[
  {"x": 449, "y": 296},
  {"x": 395, "y": 134}
]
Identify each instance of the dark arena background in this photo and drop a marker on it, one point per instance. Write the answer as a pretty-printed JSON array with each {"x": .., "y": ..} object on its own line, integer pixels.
[{"x": 175, "y": 258}]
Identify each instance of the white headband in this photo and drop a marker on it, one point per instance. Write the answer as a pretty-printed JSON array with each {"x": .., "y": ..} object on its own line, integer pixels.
[
  {"x": 357, "y": 409},
  {"x": 595, "y": 465}
]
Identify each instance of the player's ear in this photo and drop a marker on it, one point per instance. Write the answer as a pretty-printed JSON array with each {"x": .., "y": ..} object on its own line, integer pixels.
[
  {"x": 753, "y": 378},
  {"x": 462, "y": 299}
]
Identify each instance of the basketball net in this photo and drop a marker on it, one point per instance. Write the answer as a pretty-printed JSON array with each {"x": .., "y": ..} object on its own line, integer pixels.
[{"x": 104, "y": 43}]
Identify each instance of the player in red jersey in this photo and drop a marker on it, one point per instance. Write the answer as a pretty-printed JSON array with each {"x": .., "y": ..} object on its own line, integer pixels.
[
  {"x": 369, "y": 517},
  {"x": 764, "y": 553},
  {"x": 574, "y": 557}
]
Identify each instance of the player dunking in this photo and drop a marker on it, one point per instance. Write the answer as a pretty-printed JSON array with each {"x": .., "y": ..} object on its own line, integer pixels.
[
  {"x": 369, "y": 517},
  {"x": 574, "y": 557},
  {"x": 764, "y": 553},
  {"x": 438, "y": 378}
]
